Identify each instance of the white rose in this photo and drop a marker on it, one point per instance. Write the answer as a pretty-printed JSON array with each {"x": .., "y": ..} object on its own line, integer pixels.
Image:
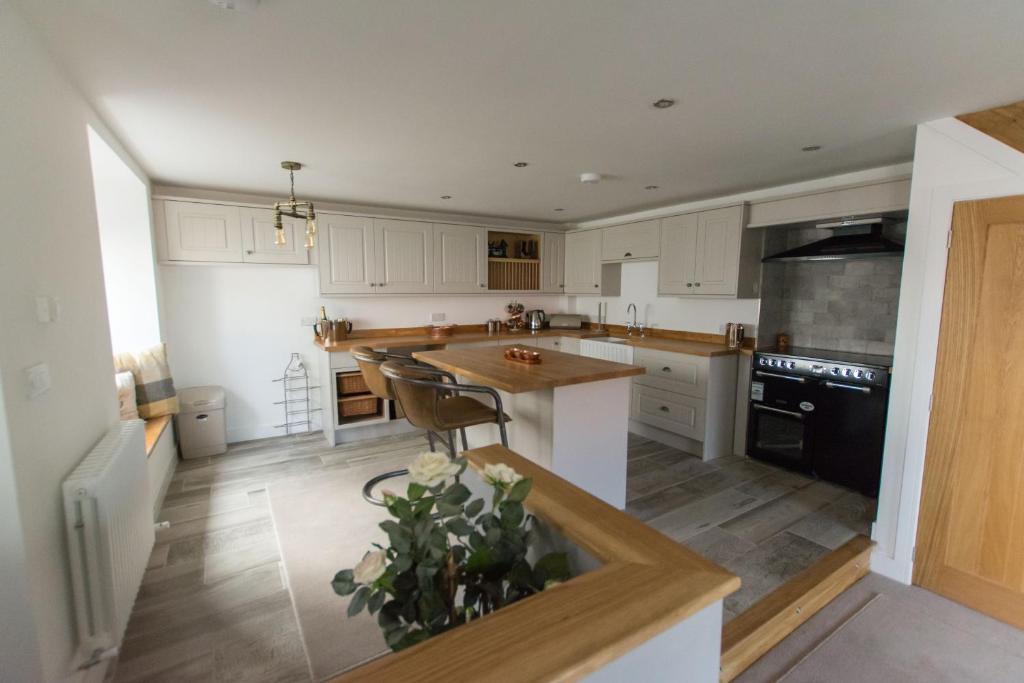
[
  {"x": 430, "y": 469},
  {"x": 501, "y": 475},
  {"x": 370, "y": 568}
]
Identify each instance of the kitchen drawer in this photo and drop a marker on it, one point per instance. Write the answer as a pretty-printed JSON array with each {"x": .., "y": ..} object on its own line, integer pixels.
[
  {"x": 566, "y": 344},
  {"x": 343, "y": 360},
  {"x": 677, "y": 372},
  {"x": 668, "y": 410}
]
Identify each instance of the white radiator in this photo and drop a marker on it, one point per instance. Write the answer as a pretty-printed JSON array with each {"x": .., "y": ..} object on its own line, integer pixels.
[{"x": 110, "y": 537}]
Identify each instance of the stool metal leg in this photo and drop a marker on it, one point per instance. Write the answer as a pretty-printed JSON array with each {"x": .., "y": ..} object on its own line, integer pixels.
[
  {"x": 465, "y": 442},
  {"x": 451, "y": 444},
  {"x": 368, "y": 486},
  {"x": 430, "y": 439}
]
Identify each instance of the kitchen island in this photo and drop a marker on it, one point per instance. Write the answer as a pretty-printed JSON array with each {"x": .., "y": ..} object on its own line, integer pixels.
[{"x": 570, "y": 414}]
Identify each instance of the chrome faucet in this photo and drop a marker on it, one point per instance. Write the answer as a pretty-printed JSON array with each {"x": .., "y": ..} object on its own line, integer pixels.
[{"x": 630, "y": 325}]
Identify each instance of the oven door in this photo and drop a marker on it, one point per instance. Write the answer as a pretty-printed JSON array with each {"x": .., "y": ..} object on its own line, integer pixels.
[
  {"x": 849, "y": 452},
  {"x": 780, "y": 428}
]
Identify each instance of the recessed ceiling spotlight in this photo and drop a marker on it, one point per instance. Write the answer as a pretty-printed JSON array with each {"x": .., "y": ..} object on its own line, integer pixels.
[
  {"x": 810, "y": 148},
  {"x": 520, "y": 164},
  {"x": 651, "y": 187},
  {"x": 590, "y": 178},
  {"x": 446, "y": 196},
  {"x": 664, "y": 103},
  {"x": 559, "y": 209},
  {"x": 236, "y": 5}
]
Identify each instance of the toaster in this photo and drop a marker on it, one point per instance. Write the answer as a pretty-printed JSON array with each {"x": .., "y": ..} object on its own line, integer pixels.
[{"x": 565, "y": 321}]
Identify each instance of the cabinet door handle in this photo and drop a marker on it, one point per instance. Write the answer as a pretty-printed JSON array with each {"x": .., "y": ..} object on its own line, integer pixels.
[
  {"x": 627, "y": 254},
  {"x": 596, "y": 286},
  {"x": 666, "y": 369},
  {"x": 250, "y": 252},
  {"x": 373, "y": 284},
  {"x": 663, "y": 409},
  {"x": 482, "y": 284},
  {"x": 696, "y": 284},
  {"x": 689, "y": 284},
  {"x": 380, "y": 284}
]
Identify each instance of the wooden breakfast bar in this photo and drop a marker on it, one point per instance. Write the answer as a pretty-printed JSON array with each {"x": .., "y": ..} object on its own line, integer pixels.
[{"x": 570, "y": 414}]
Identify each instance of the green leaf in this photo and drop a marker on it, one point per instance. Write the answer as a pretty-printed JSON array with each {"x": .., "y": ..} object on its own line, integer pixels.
[
  {"x": 480, "y": 560},
  {"x": 423, "y": 505},
  {"x": 551, "y": 567},
  {"x": 448, "y": 509},
  {"x": 457, "y": 494},
  {"x": 474, "y": 508},
  {"x": 411, "y": 638},
  {"x": 376, "y": 601},
  {"x": 400, "y": 508},
  {"x": 459, "y": 526},
  {"x": 403, "y": 562},
  {"x": 512, "y": 514},
  {"x": 520, "y": 490},
  {"x": 358, "y": 601},
  {"x": 398, "y": 536},
  {"x": 425, "y": 572},
  {"x": 476, "y": 540},
  {"x": 393, "y": 637},
  {"x": 493, "y": 536},
  {"x": 343, "y": 582},
  {"x": 416, "y": 491}
]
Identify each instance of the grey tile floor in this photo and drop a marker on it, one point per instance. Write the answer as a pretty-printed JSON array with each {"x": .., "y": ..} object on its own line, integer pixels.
[
  {"x": 763, "y": 523},
  {"x": 214, "y": 604}
]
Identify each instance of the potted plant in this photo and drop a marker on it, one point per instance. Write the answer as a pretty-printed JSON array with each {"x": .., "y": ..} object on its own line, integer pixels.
[{"x": 448, "y": 560}]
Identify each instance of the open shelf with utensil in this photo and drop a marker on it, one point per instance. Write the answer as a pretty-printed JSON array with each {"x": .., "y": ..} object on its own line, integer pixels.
[{"x": 513, "y": 261}]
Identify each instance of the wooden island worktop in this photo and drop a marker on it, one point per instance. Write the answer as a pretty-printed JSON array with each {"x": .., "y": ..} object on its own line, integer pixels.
[{"x": 487, "y": 365}]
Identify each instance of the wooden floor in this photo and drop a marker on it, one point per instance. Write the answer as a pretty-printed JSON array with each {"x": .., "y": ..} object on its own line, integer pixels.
[{"x": 214, "y": 605}]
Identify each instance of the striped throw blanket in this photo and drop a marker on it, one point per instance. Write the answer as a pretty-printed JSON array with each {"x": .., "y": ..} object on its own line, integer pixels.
[{"x": 154, "y": 388}]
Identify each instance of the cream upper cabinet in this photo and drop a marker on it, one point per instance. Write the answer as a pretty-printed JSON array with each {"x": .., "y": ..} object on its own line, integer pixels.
[
  {"x": 202, "y": 232},
  {"x": 552, "y": 258},
  {"x": 709, "y": 253},
  {"x": 258, "y": 238},
  {"x": 631, "y": 241},
  {"x": 718, "y": 250},
  {"x": 404, "y": 252},
  {"x": 678, "y": 260},
  {"x": 460, "y": 259},
  {"x": 347, "y": 263},
  {"x": 583, "y": 262}
]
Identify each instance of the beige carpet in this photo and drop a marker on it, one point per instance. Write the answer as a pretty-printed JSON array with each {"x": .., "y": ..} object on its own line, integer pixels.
[{"x": 323, "y": 525}]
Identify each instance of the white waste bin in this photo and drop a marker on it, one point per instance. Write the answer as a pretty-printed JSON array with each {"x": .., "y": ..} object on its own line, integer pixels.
[{"x": 201, "y": 428}]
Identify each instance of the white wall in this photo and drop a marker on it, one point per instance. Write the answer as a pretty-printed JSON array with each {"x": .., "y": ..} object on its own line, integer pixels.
[
  {"x": 640, "y": 286},
  {"x": 952, "y": 162},
  {"x": 126, "y": 242},
  {"x": 235, "y": 325},
  {"x": 50, "y": 248}
]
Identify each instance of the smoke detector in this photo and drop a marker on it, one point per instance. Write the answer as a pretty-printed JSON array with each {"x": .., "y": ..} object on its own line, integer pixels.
[
  {"x": 236, "y": 5},
  {"x": 590, "y": 178}
]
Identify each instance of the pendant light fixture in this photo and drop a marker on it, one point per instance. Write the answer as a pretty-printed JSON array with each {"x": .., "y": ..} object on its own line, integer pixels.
[{"x": 294, "y": 209}]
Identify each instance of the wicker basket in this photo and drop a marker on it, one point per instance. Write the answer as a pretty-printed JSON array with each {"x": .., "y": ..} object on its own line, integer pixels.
[
  {"x": 357, "y": 405},
  {"x": 352, "y": 384}
]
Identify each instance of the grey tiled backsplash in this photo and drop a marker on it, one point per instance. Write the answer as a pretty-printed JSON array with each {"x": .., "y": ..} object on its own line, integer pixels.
[{"x": 836, "y": 305}]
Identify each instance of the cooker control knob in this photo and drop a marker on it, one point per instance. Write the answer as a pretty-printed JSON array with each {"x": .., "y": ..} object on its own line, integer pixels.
[
  {"x": 764, "y": 361},
  {"x": 848, "y": 372},
  {"x": 792, "y": 365},
  {"x": 860, "y": 374},
  {"x": 773, "y": 362},
  {"x": 870, "y": 376},
  {"x": 835, "y": 371}
]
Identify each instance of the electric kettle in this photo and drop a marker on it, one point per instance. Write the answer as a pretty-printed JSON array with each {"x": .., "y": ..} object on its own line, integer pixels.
[{"x": 535, "y": 319}]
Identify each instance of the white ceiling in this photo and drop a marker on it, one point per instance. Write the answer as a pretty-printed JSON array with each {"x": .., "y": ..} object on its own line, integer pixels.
[{"x": 397, "y": 102}]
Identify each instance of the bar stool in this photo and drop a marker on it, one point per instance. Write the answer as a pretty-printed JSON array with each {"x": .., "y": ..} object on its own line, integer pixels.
[
  {"x": 369, "y": 362},
  {"x": 438, "y": 406}
]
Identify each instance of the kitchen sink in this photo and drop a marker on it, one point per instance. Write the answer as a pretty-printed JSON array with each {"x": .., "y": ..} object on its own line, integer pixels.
[{"x": 609, "y": 340}]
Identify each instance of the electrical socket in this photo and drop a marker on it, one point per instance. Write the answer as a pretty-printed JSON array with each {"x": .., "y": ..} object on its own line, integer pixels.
[{"x": 437, "y": 317}]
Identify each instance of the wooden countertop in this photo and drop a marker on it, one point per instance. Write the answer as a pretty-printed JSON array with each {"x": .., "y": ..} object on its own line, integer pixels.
[
  {"x": 400, "y": 341},
  {"x": 646, "y": 584},
  {"x": 693, "y": 348},
  {"x": 487, "y": 365}
]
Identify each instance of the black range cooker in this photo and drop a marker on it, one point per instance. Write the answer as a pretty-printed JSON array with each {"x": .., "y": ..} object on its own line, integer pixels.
[{"x": 822, "y": 413}]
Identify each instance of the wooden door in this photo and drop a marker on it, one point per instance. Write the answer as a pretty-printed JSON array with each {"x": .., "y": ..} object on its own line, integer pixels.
[
  {"x": 678, "y": 255},
  {"x": 583, "y": 262},
  {"x": 718, "y": 251},
  {"x": 970, "y": 542},
  {"x": 347, "y": 263},
  {"x": 258, "y": 238},
  {"x": 460, "y": 259},
  {"x": 203, "y": 232},
  {"x": 405, "y": 256},
  {"x": 552, "y": 258}
]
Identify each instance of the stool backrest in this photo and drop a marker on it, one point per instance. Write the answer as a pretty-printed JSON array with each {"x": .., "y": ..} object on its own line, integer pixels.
[
  {"x": 419, "y": 401},
  {"x": 369, "y": 362}
]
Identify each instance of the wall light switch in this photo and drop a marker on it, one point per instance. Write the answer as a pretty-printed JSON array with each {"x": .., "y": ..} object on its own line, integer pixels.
[
  {"x": 47, "y": 309},
  {"x": 437, "y": 317},
  {"x": 37, "y": 380}
]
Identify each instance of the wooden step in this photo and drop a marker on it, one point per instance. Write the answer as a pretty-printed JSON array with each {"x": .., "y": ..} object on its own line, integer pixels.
[{"x": 751, "y": 634}]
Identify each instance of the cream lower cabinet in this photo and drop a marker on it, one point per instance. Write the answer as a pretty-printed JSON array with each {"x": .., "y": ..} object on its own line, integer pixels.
[
  {"x": 693, "y": 397},
  {"x": 709, "y": 253},
  {"x": 583, "y": 262},
  {"x": 460, "y": 259}
]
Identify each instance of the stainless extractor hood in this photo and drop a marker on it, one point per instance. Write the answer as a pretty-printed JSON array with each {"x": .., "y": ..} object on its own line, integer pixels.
[{"x": 857, "y": 238}]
